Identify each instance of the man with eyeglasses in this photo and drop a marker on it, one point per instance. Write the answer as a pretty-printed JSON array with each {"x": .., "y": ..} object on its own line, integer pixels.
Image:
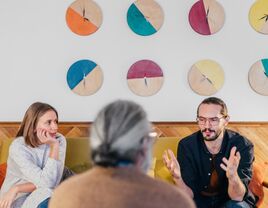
[{"x": 214, "y": 165}]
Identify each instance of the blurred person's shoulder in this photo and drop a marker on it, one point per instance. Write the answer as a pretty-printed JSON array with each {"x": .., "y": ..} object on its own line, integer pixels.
[{"x": 108, "y": 186}]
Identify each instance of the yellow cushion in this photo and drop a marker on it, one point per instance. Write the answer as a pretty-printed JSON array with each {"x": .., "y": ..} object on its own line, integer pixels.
[
  {"x": 5, "y": 143},
  {"x": 161, "y": 144},
  {"x": 77, "y": 153}
]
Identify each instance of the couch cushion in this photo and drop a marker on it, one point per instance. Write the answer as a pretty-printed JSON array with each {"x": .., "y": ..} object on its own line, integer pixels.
[
  {"x": 161, "y": 144},
  {"x": 78, "y": 154},
  {"x": 5, "y": 143}
]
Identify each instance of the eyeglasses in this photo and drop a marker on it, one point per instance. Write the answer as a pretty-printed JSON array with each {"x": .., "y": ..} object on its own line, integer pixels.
[
  {"x": 214, "y": 121},
  {"x": 151, "y": 136}
]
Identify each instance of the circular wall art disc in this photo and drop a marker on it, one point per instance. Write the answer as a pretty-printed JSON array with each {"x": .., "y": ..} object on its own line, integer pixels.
[
  {"x": 84, "y": 17},
  {"x": 258, "y": 16},
  {"x": 206, "y": 17},
  {"x": 84, "y": 77},
  {"x": 258, "y": 77},
  {"x": 145, "y": 17},
  {"x": 206, "y": 77},
  {"x": 145, "y": 78}
]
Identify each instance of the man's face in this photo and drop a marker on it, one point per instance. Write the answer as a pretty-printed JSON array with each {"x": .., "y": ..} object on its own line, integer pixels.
[{"x": 211, "y": 122}]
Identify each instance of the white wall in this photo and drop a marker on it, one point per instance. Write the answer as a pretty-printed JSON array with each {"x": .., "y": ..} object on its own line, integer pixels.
[{"x": 37, "y": 48}]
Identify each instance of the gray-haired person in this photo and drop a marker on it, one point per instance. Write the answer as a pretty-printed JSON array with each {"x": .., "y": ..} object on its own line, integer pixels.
[{"x": 121, "y": 151}]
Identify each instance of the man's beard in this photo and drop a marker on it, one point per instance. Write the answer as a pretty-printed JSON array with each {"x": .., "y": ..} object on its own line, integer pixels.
[{"x": 211, "y": 138}]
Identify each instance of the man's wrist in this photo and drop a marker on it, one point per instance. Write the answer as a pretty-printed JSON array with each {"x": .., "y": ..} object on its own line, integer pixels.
[
  {"x": 234, "y": 178},
  {"x": 176, "y": 178}
]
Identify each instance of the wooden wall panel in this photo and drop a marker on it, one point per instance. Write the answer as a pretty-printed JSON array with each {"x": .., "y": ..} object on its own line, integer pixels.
[{"x": 257, "y": 132}]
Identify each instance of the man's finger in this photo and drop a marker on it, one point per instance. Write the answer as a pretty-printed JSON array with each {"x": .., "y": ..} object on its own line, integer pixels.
[
  {"x": 226, "y": 162},
  {"x": 223, "y": 167},
  {"x": 232, "y": 153},
  {"x": 164, "y": 157},
  {"x": 238, "y": 156},
  {"x": 171, "y": 154}
]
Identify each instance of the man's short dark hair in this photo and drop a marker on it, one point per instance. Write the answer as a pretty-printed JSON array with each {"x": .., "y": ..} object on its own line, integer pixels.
[{"x": 215, "y": 101}]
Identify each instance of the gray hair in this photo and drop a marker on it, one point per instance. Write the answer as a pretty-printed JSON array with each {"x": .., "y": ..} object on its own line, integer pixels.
[{"x": 118, "y": 132}]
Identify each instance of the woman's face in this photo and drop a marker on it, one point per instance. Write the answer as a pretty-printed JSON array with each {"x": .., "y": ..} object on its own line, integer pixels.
[{"x": 49, "y": 123}]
